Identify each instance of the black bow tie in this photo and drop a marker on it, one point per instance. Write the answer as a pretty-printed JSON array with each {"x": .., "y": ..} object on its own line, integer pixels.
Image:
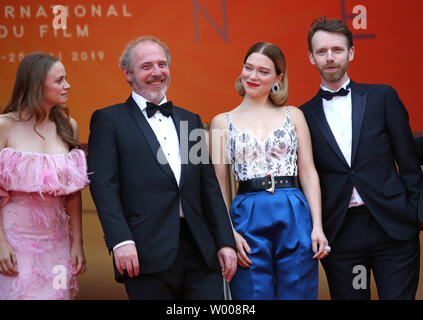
[
  {"x": 164, "y": 108},
  {"x": 328, "y": 95}
]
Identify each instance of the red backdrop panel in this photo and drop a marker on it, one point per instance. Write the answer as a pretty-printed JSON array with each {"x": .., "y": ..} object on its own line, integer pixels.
[{"x": 207, "y": 40}]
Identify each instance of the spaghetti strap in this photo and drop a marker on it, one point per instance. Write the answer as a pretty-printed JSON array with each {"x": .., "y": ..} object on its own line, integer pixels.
[
  {"x": 230, "y": 124},
  {"x": 287, "y": 116}
]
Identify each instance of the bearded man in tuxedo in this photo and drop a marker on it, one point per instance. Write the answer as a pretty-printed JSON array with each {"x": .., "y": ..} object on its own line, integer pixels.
[
  {"x": 162, "y": 213},
  {"x": 370, "y": 178}
]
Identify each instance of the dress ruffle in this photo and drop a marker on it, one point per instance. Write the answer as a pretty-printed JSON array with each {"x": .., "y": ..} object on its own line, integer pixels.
[{"x": 54, "y": 174}]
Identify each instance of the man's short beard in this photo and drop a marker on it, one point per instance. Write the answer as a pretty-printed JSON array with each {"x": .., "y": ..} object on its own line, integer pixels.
[
  {"x": 152, "y": 96},
  {"x": 334, "y": 77}
]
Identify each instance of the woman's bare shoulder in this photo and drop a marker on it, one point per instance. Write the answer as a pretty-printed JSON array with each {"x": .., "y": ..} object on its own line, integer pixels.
[
  {"x": 294, "y": 111},
  {"x": 219, "y": 121},
  {"x": 7, "y": 123},
  {"x": 8, "y": 120},
  {"x": 296, "y": 114}
]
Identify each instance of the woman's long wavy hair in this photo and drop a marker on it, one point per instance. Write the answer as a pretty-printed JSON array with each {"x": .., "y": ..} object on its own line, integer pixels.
[
  {"x": 28, "y": 94},
  {"x": 275, "y": 54}
]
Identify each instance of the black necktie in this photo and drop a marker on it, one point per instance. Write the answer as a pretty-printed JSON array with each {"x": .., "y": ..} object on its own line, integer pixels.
[
  {"x": 164, "y": 108},
  {"x": 328, "y": 95}
]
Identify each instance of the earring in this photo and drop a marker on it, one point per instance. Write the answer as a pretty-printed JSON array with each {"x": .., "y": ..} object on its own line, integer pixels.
[{"x": 276, "y": 88}]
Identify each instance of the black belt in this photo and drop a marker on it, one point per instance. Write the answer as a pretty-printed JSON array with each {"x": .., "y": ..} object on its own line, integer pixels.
[{"x": 268, "y": 183}]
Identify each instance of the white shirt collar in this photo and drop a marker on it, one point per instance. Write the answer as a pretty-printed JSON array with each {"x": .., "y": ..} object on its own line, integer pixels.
[
  {"x": 343, "y": 86},
  {"x": 142, "y": 102}
]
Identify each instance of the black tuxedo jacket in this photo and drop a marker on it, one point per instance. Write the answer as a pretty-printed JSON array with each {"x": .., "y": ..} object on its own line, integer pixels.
[
  {"x": 137, "y": 195},
  {"x": 381, "y": 141}
]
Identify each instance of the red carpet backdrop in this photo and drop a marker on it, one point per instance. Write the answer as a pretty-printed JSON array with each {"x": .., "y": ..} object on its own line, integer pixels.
[{"x": 207, "y": 40}]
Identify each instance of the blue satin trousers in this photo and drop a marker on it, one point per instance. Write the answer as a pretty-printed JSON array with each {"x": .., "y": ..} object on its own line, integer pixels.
[{"x": 277, "y": 227}]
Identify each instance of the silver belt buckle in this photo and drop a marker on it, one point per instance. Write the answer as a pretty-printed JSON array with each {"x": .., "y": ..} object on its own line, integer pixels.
[{"x": 272, "y": 188}]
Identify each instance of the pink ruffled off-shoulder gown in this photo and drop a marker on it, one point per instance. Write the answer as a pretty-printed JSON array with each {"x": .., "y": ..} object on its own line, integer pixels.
[{"x": 32, "y": 190}]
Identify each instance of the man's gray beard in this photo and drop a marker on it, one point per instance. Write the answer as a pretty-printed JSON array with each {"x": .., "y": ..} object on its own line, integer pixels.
[{"x": 152, "y": 96}]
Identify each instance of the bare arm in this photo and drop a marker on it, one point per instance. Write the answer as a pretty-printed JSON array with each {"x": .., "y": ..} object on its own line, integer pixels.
[
  {"x": 217, "y": 138},
  {"x": 309, "y": 180},
  {"x": 8, "y": 262},
  {"x": 74, "y": 210}
]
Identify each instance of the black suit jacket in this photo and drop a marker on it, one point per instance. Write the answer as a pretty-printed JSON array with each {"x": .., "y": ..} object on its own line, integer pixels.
[
  {"x": 381, "y": 139},
  {"x": 137, "y": 196}
]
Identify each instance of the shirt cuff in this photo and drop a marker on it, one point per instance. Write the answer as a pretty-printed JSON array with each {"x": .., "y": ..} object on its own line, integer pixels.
[{"x": 122, "y": 244}]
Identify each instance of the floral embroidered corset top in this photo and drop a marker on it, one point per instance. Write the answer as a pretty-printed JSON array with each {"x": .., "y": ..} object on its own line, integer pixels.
[{"x": 252, "y": 157}]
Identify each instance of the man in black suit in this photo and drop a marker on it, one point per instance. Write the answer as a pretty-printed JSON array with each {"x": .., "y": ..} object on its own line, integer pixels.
[
  {"x": 360, "y": 134},
  {"x": 159, "y": 203}
]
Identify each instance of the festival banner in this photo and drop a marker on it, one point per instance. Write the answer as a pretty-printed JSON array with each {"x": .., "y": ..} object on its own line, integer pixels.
[{"x": 207, "y": 40}]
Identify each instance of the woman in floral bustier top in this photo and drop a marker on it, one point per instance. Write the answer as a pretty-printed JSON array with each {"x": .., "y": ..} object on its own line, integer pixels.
[{"x": 277, "y": 225}]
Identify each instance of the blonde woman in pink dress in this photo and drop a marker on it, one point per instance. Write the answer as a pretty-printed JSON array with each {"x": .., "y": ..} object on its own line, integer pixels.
[{"x": 41, "y": 174}]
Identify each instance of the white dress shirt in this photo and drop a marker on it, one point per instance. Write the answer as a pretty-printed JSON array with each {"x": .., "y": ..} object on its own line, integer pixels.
[
  {"x": 165, "y": 131},
  {"x": 338, "y": 112}
]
